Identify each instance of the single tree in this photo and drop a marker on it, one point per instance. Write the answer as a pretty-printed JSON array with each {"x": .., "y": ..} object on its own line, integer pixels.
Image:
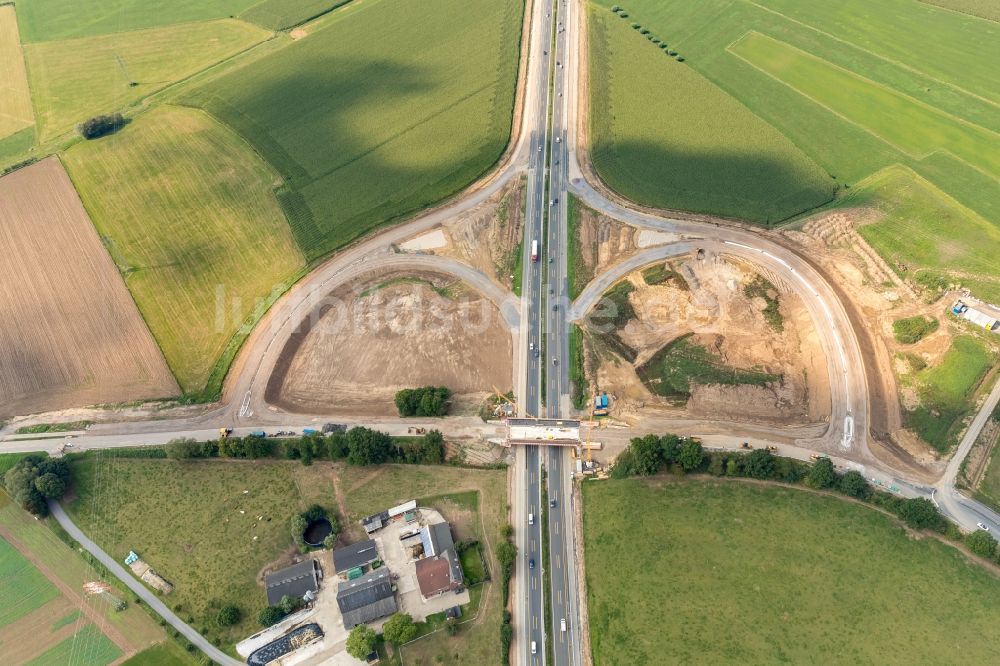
[
  {"x": 361, "y": 641},
  {"x": 759, "y": 464},
  {"x": 330, "y": 540},
  {"x": 853, "y": 484},
  {"x": 647, "y": 455},
  {"x": 822, "y": 474},
  {"x": 228, "y": 615},
  {"x": 920, "y": 513},
  {"x": 183, "y": 448},
  {"x": 269, "y": 616},
  {"x": 399, "y": 629},
  {"x": 982, "y": 544},
  {"x": 506, "y": 554},
  {"x": 691, "y": 455}
]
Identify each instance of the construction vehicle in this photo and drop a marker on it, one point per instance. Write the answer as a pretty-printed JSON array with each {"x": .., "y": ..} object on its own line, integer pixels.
[
  {"x": 772, "y": 449},
  {"x": 746, "y": 445},
  {"x": 225, "y": 432},
  {"x": 601, "y": 404}
]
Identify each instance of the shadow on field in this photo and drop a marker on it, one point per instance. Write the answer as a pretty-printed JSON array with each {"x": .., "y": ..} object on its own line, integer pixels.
[{"x": 748, "y": 187}]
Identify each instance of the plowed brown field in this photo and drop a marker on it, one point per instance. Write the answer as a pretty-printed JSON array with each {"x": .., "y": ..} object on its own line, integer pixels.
[{"x": 70, "y": 333}]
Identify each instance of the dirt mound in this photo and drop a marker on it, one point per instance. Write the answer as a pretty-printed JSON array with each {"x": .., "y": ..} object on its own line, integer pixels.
[
  {"x": 398, "y": 330},
  {"x": 707, "y": 297}
]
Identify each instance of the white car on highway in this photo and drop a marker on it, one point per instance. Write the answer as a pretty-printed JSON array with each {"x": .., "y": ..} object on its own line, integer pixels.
[{"x": 983, "y": 526}]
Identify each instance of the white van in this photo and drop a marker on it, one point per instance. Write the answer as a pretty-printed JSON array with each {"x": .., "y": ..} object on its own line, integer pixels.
[
  {"x": 564, "y": 624},
  {"x": 534, "y": 647},
  {"x": 531, "y": 519}
]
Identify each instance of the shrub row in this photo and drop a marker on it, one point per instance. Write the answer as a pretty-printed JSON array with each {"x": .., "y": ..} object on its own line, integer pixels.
[
  {"x": 656, "y": 41},
  {"x": 506, "y": 556}
]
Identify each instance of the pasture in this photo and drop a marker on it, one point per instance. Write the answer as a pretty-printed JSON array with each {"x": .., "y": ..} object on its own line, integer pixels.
[
  {"x": 387, "y": 110},
  {"x": 50, "y": 20},
  {"x": 859, "y": 87},
  {"x": 59, "y": 624},
  {"x": 75, "y": 79},
  {"x": 194, "y": 525},
  {"x": 664, "y": 136},
  {"x": 946, "y": 391},
  {"x": 71, "y": 334},
  {"x": 196, "y": 232},
  {"x": 16, "y": 113},
  {"x": 733, "y": 572}
]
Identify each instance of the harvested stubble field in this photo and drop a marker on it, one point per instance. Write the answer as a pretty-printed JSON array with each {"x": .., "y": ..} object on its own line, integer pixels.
[
  {"x": 385, "y": 110},
  {"x": 665, "y": 136},
  {"x": 70, "y": 333},
  {"x": 196, "y": 219},
  {"x": 757, "y": 574},
  {"x": 859, "y": 87},
  {"x": 391, "y": 332},
  {"x": 15, "y": 98},
  {"x": 74, "y": 79}
]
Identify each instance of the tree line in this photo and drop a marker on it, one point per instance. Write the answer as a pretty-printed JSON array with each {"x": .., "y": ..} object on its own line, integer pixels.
[
  {"x": 34, "y": 480},
  {"x": 651, "y": 454},
  {"x": 358, "y": 446}
]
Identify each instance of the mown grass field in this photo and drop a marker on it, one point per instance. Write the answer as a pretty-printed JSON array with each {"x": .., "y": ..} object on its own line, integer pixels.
[
  {"x": 715, "y": 572},
  {"x": 48, "y": 20},
  {"x": 16, "y": 113},
  {"x": 386, "y": 110},
  {"x": 194, "y": 525},
  {"x": 164, "y": 654},
  {"x": 946, "y": 390},
  {"x": 663, "y": 135},
  {"x": 860, "y": 87},
  {"x": 193, "y": 213},
  {"x": 75, "y": 79}
]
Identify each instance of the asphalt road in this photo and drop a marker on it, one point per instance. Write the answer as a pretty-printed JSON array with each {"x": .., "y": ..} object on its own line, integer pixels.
[{"x": 216, "y": 655}]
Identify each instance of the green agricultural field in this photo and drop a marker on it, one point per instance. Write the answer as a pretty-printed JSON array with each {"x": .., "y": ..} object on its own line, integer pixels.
[
  {"x": 197, "y": 219},
  {"x": 70, "y": 567},
  {"x": 663, "y": 135},
  {"x": 673, "y": 371},
  {"x": 924, "y": 231},
  {"x": 988, "y": 490},
  {"x": 946, "y": 389},
  {"x": 730, "y": 572},
  {"x": 87, "y": 646},
  {"x": 164, "y": 654},
  {"x": 47, "y": 20},
  {"x": 24, "y": 587},
  {"x": 909, "y": 126},
  {"x": 193, "y": 523},
  {"x": 75, "y": 79},
  {"x": 861, "y": 87},
  {"x": 281, "y": 14},
  {"x": 389, "y": 109}
]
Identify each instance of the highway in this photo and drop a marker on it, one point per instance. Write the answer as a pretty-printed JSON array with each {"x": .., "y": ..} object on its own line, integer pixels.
[{"x": 546, "y": 149}]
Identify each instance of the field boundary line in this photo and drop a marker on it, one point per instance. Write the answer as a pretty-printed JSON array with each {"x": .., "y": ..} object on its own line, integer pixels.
[
  {"x": 75, "y": 599},
  {"x": 932, "y": 5},
  {"x": 891, "y": 61},
  {"x": 915, "y": 156}
]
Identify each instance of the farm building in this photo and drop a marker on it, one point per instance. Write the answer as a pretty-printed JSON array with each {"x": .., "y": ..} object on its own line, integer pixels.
[
  {"x": 294, "y": 581},
  {"x": 354, "y": 556},
  {"x": 439, "y": 574},
  {"x": 367, "y": 598},
  {"x": 440, "y": 570}
]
